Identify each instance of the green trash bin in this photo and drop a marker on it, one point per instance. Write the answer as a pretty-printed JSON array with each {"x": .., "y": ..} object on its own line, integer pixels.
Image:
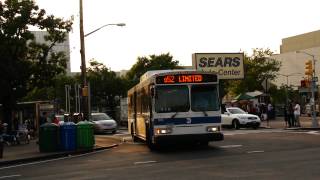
[
  {"x": 85, "y": 135},
  {"x": 48, "y": 137}
]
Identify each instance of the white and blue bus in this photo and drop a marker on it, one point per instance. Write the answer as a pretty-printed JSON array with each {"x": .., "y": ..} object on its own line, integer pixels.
[{"x": 174, "y": 106}]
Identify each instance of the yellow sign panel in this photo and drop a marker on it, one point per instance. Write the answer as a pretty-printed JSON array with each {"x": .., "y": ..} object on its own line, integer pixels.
[{"x": 226, "y": 65}]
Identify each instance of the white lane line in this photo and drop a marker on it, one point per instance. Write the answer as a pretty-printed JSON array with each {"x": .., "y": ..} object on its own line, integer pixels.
[
  {"x": 231, "y": 146},
  {"x": 11, "y": 176},
  {"x": 250, "y": 152},
  {"x": 50, "y": 160},
  {"x": 144, "y": 162}
]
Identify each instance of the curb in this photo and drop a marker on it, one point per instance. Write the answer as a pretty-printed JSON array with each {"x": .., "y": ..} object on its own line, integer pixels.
[{"x": 53, "y": 156}]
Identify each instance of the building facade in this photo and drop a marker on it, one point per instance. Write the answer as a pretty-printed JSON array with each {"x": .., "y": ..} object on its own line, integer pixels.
[
  {"x": 64, "y": 47},
  {"x": 293, "y": 56}
]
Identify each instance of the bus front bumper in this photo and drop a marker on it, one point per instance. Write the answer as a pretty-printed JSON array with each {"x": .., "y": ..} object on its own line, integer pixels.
[{"x": 189, "y": 138}]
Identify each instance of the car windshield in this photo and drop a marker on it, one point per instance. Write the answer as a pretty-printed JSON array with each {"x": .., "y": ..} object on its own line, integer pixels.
[
  {"x": 204, "y": 98},
  {"x": 173, "y": 98},
  {"x": 99, "y": 117},
  {"x": 236, "y": 111}
]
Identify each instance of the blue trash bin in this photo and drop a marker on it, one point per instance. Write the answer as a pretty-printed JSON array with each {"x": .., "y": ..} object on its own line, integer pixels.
[{"x": 68, "y": 132}]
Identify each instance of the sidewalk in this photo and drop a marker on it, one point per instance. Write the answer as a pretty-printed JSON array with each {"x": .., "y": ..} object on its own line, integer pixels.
[
  {"x": 279, "y": 123},
  {"x": 24, "y": 153}
]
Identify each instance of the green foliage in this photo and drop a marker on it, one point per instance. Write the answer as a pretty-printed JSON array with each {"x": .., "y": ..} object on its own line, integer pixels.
[
  {"x": 104, "y": 85},
  {"x": 153, "y": 62},
  {"x": 26, "y": 66},
  {"x": 258, "y": 68}
]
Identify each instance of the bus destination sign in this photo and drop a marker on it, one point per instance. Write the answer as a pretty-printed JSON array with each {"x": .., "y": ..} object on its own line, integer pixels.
[{"x": 186, "y": 78}]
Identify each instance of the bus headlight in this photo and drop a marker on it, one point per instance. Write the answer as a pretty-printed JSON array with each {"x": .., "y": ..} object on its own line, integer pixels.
[
  {"x": 163, "y": 130},
  {"x": 213, "y": 128}
]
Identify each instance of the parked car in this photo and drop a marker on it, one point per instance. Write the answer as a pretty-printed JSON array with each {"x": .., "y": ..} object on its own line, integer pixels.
[
  {"x": 102, "y": 123},
  {"x": 236, "y": 118}
]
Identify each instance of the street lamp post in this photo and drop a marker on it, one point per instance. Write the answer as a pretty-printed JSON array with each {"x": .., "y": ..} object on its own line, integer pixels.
[
  {"x": 287, "y": 78},
  {"x": 118, "y": 24},
  {"x": 85, "y": 94},
  {"x": 313, "y": 86}
]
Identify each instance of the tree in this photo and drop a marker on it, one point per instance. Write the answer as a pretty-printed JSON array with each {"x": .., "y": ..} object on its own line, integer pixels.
[
  {"x": 105, "y": 86},
  {"x": 258, "y": 68},
  {"x": 26, "y": 64},
  {"x": 154, "y": 62}
]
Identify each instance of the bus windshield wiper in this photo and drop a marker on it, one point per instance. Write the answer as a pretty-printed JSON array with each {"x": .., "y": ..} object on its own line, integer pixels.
[
  {"x": 205, "y": 113},
  {"x": 174, "y": 115}
]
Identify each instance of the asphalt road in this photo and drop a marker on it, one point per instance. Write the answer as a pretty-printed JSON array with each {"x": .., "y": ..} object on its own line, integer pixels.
[{"x": 244, "y": 154}]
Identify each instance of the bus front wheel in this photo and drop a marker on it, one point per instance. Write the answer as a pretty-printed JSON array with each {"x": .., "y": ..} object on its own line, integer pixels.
[
  {"x": 134, "y": 138},
  {"x": 151, "y": 145}
]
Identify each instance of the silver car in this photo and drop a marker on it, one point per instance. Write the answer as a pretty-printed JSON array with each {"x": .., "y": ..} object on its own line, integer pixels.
[{"x": 102, "y": 123}]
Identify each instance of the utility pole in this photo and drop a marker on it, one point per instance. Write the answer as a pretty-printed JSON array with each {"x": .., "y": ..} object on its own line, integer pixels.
[{"x": 83, "y": 68}]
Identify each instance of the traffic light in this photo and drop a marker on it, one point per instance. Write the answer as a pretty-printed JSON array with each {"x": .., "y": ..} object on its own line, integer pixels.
[{"x": 308, "y": 69}]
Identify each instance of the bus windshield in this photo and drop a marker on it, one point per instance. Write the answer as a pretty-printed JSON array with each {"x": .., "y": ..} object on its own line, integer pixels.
[
  {"x": 204, "y": 98},
  {"x": 172, "y": 99}
]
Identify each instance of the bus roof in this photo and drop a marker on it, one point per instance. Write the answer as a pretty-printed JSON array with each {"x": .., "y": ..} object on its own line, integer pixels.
[{"x": 149, "y": 74}]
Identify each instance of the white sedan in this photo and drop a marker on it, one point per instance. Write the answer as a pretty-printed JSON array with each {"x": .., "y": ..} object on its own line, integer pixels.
[
  {"x": 102, "y": 123},
  {"x": 236, "y": 118}
]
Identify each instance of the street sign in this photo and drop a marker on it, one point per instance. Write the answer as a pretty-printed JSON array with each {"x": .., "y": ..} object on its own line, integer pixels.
[
  {"x": 315, "y": 79},
  {"x": 312, "y": 101}
]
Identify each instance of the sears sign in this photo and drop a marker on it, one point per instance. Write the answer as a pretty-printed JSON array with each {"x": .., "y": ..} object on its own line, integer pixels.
[{"x": 227, "y": 65}]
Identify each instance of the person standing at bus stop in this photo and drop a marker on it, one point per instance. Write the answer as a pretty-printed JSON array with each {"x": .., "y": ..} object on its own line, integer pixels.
[
  {"x": 290, "y": 115},
  {"x": 43, "y": 118},
  {"x": 297, "y": 114}
]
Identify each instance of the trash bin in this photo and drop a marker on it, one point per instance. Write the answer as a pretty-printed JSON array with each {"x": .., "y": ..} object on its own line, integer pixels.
[
  {"x": 85, "y": 135},
  {"x": 68, "y": 132},
  {"x": 48, "y": 137}
]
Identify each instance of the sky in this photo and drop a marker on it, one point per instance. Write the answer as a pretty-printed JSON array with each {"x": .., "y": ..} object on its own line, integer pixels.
[{"x": 181, "y": 28}]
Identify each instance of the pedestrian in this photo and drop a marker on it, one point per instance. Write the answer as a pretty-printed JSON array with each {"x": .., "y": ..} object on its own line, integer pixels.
[
  {"x": 269, "y": 111},
  {"x": 290, "y": 115},
  {"x": 1, "y": 128},
  {"x": 43, "y": 118},
  {"x": 257, "y": 109},
  {"x": 285, "y": 114},
  {"x": 55, "y": 120},
  {"x": 297, "y": 114}
]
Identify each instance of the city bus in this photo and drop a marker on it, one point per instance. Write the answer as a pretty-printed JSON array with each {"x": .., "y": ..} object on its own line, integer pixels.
[{"x": 170, "y": 106}]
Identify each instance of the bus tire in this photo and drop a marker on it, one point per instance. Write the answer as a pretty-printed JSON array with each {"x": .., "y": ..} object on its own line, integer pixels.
[
  {"x": 204, "y": 143},
  {"x": 149, "y": 142},
  {"x": 134, "y": 138},
  {"x": 235, "y": 124}
]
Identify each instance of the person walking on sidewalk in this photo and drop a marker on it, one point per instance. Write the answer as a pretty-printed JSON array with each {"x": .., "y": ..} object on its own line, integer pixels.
[
  {"x": 297, "y": 114},
  {"x": 285, "y": 114},
  {"x": 290, "y": 115}
]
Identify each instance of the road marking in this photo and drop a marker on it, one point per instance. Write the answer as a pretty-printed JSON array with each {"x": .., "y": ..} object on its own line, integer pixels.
[
  {"x": 313, "y": 132},
  {"x": 11, "y": 176},
  {"x": 144, "y": 162},
  {"x": 250, "y": 152},
  {"x": 50, "y": 160},
  {"x": 231, "y": 146}
]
